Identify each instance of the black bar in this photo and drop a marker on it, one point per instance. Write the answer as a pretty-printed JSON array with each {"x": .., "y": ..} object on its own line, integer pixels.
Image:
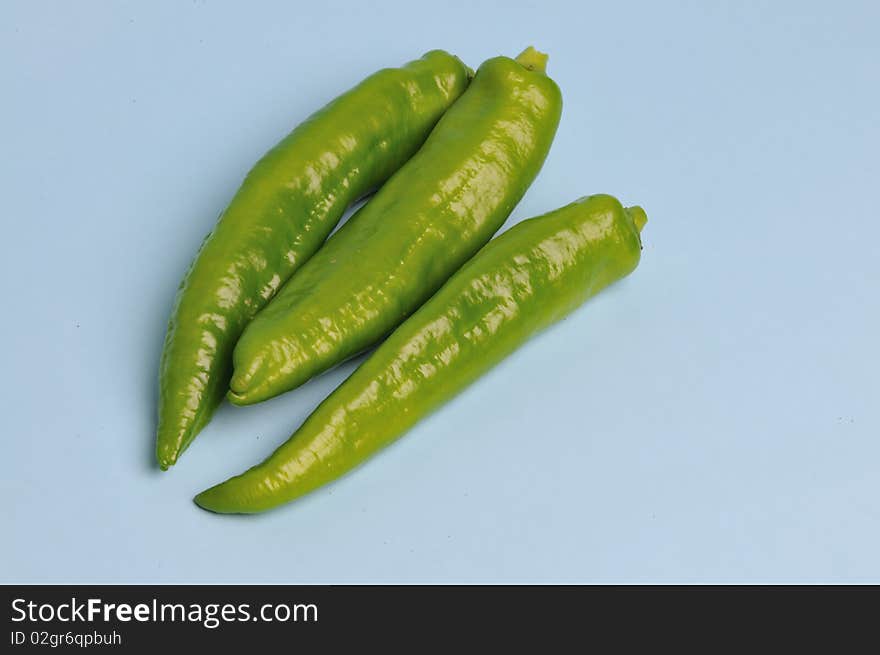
[{"x": 331, "y": 616}]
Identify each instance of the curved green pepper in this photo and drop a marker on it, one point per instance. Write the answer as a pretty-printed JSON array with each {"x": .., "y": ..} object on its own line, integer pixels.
[
  {"x": 521, "y": 282},
  {"x": 286, "y": 206},
  {"x": 428, "y": 219}
]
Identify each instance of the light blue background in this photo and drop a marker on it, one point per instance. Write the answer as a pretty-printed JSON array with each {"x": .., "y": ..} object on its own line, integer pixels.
[{"x": 713, "y": 418}]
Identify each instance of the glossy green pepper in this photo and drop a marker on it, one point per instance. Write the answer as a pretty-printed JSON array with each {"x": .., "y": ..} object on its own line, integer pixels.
[
  {"x": 521, "y": 282},
  {"x": 427, "y": 220},
  {"x": 286, "y": 206}
]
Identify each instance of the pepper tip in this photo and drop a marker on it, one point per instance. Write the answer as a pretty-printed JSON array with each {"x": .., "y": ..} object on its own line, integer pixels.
[
  {"x": 199, "y": 500},
  {"x": 533, "y": 60},
  {"x": 166, "y": 459},
  {"x": 638, "y": 215},
  {"x": 208, "y": 501}
]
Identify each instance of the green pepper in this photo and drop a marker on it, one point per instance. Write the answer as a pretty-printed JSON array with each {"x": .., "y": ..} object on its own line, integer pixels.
[
  {"x": 426, "y": 221},
  {"x": 286, "y": 206},
  {"x": 523, "y": 281}
]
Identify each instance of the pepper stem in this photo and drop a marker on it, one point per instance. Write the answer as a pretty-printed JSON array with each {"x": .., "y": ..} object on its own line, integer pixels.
[
  {"x": 533, "y": 60},
  {"x": 638, "y": 215}
]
